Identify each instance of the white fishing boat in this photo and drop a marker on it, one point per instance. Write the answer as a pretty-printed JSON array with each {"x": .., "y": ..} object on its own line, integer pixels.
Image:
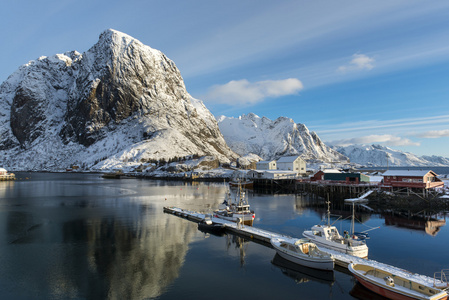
[
  {"x": 392, "y": 286},
  {"x": 328, "y": 236},
  {"x": 236, "y": 210},
  {"x": 303, "y": 252}
]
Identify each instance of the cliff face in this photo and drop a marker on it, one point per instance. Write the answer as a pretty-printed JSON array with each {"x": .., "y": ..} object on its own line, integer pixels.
[
  {"x": 117, "y": 78},
  {"x": 119, "y": 99}
]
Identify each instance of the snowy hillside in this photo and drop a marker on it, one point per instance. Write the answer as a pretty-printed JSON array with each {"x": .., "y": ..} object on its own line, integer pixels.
[
  {"x": 273, "y": 139},
  {"x": 376, "y": 155},
  {"x": 119, "y": 103}
]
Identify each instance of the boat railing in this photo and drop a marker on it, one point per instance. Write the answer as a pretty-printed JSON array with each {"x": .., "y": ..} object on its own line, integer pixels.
[{"x": 440, "y": 279}]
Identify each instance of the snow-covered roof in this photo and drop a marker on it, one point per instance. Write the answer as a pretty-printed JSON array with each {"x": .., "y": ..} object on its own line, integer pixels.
[
  {"x": 257, "y": 171},
  {"x": 287, "y": 159},
  {"x": 331, "y": 171},
  {"x": 265, "y": 161},
  {"x": 415, "y": 173},
  {"x": 279, "y": 172},
  {"x": 2, "y": 170}
]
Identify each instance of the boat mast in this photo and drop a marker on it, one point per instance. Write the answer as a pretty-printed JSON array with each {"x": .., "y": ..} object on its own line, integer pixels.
[
  {"x": 352, "y": 220},
  {"x": 328, "y": 211}
]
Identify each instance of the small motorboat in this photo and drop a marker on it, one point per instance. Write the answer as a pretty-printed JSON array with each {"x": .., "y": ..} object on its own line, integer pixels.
[
  {"x": 303, "y": 252},
  {"x": 393, "y": 286},
  {"x": 208, "y": 226}
]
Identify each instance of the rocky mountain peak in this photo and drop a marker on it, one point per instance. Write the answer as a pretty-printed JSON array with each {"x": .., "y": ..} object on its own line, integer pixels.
[
  {"x": 273, "y": 139},
  {"x": 119, "y": 92}
]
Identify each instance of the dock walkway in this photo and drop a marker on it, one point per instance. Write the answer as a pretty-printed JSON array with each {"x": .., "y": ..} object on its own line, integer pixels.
[{"x": 264, "y": 237}]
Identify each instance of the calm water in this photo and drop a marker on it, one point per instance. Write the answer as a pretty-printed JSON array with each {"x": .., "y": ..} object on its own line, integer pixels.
[{"x": 77, "y": 236}]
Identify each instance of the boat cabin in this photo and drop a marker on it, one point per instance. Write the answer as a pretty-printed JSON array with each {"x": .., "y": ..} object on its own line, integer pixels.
[
  {"x": 329, "y": 232},
  {"x": 242, "y": 208}
]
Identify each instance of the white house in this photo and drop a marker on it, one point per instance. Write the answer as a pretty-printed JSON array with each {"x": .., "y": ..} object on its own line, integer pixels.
[
  {"x": 4, "y": 175},
  {"x": 266, "y": 165},
  {"x": 292, "y": 163},
  {"x": 272, "y": 174},
  {"x": 280, "y": 174}
]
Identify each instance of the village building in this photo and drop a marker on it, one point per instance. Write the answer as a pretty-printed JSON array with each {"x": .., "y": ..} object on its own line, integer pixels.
[
  {"x": 336, "y": 175},
  {"x": 292, "y": 163},
  {"x": 348, "y": 178},
  {"x": 4, "y": 175},
  {"x": 272, "y": 174},
  {"x": 266, "y": 165},
  {"x": 320, "y": 174},
  {"x": 411, "y": 179}
]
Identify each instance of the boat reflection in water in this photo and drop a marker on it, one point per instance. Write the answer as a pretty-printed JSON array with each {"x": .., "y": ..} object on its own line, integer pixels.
[
  {"x": 362, "y": 293},
  {"x": 302, "y": 274}
]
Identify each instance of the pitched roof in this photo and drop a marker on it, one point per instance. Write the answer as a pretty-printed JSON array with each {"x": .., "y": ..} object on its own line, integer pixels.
[
  {"x": 287, "y": 159},
  {"x": 265, "y": 161},
  {"x": 413, "y": 173},
  {"x": 331, "y": 171}
]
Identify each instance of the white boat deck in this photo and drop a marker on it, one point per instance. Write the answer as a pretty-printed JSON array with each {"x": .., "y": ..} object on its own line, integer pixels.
[{"x": 265, "y": 236}]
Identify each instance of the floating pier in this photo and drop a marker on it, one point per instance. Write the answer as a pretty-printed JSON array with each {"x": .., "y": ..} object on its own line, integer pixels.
[{"x": 263, "y": 237}]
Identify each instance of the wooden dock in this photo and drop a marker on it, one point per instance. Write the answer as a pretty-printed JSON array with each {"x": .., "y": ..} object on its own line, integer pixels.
[{"x": 263, "y": 237}]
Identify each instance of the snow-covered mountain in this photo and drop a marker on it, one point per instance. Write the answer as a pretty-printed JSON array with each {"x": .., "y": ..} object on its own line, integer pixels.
[
  {"x": 376, "y": 155},
  {"x": 273, "y": 139},
  {"x": 120, "y": 101}
]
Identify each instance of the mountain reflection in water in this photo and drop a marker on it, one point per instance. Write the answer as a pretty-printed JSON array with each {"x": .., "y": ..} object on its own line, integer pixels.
[
  {"x": 80, "y": 236},
  {"x": 93, "y": 238}
]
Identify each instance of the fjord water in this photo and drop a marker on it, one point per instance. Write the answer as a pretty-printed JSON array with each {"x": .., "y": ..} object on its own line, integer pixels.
[{"x": 79, "y": 236}]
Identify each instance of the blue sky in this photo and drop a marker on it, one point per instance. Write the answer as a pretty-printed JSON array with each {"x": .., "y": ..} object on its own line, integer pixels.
[{"x": 352, "y": 71}]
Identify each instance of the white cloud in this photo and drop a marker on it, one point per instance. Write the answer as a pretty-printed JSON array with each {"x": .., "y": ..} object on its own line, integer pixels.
[
  {"x": 245, "y": 92},
  {"x": 386, "y": 139},
  {"x": 434, "y": 134},
  {"x": 358, "y": 62},
  {"x": 404, "y": 126}
]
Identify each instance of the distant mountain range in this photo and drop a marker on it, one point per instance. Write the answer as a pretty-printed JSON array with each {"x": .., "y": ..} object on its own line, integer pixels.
[
  {"x": 376, "y": 155},
  {"x": 122, "y": 103}
]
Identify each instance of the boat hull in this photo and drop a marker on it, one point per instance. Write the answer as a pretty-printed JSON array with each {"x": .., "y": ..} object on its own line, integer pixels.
[
  {"x": 393, "y": 292},
  {"x": 359, "y": 251},
  {"x": 381, "y": 291},
  {"x": 247, "y": 219},
  {"x": 320, "y": 265},
  {"x": 304, "y": 259}
]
